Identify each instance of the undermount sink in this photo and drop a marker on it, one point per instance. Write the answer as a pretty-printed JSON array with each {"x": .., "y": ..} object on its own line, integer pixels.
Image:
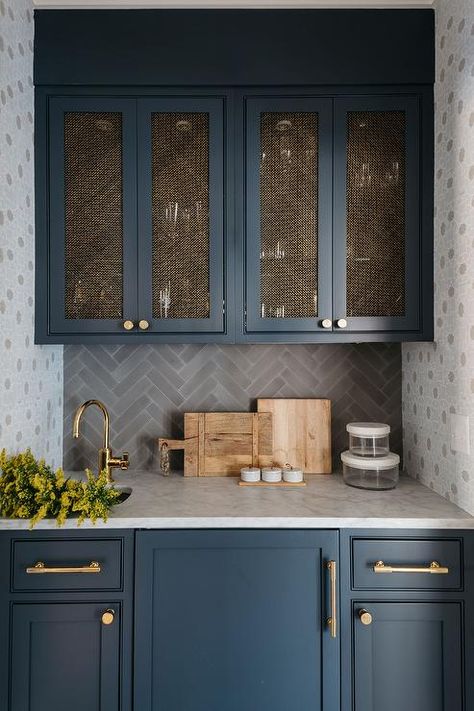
[{"x": 125, "y": 493}]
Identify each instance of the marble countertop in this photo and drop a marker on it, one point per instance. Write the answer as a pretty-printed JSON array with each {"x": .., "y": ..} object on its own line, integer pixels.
[{"x": 326, "y": 502}]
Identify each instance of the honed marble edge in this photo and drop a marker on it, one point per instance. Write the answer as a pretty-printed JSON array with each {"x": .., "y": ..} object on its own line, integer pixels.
[{"x": 200, "y": 522}]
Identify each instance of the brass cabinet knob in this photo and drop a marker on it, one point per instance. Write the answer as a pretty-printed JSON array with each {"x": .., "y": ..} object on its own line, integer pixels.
[
  {"x": 143, "y": 325},
  {"x": 365, "y": 617},
  {"x": 108, "y": 617},
  {"x": 326, "y": 323},
  {"x": 128, "y": 325},
  {"x": 341, "y": 323}
]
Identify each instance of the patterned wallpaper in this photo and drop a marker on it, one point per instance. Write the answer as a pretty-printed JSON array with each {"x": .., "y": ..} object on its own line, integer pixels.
[
  {"x": 147, "y": 388},
  {"x": 30, "y": 376},
  {"x": 438, "y": 378}
]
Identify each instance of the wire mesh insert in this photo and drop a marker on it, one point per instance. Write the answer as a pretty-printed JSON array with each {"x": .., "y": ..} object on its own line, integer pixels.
[
  {"x": 288, "y": 214},
  {"x": 375, "y": 213},
  {"x": 93, "y": 215},
  {"x": 180, "y": 215}
]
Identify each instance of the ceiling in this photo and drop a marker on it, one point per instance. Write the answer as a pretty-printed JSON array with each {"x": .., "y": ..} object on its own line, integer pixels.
[{"x": 295, "y": 4}]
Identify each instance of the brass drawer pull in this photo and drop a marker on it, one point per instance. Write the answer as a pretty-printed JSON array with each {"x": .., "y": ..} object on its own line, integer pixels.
[
  {"x": 332, "y": 620},
  {"x": 434, "y": 568},
  {"x": 40, "y": 568}
]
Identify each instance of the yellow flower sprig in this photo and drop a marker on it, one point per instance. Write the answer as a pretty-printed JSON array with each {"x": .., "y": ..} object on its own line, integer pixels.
[{"x": 30, "y": 489}]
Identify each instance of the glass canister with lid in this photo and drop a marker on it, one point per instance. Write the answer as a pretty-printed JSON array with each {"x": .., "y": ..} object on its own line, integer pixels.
[
  {"x": 376, "y": 473},
  {"x": 368, "y": 439}
]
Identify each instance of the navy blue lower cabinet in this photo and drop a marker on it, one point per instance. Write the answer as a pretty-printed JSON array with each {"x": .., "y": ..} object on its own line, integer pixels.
[
  {"x": 65, "y": 657},
  {"x": 235, "y": 621},
  {"x": 407, "y": 655},
  {"x": 66, "y": 636}
]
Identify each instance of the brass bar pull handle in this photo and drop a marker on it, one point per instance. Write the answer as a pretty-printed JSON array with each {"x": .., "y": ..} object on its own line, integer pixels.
[
  {"x": 40, "y": 568},
  {"x": 332, "y": 620},
  {"x": 434, "y": 568}
]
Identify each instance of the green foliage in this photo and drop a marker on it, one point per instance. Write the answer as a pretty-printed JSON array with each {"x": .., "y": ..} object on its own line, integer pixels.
[{"x": 30, "y": 489}]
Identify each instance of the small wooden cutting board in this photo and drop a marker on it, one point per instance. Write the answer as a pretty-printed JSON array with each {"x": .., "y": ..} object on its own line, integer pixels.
[
  {"x": 221, "y": 443},
  {"x": 301, "y": 433}
]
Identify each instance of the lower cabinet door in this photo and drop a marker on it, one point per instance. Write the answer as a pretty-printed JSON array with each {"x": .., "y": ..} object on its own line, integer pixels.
[
  {"x": 235, "y": 621},
  {"x": 407, "y": 656},
  {"x": 65, "y": 658}
]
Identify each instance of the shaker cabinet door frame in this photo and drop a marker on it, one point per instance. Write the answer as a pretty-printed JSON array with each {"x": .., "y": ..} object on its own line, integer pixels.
[
  {"x": 58, "y": 107},
  {"x": 214, "y": 107},
  {"x": 410, "y": 656},
  {"x": 410, "y": 321},
  {"x": 45, "y": 636},
  {"x": 254, "y": 107},
  {"x": 234, "y": 620}
]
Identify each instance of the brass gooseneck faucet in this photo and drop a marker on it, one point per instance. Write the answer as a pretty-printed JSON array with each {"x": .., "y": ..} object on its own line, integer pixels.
[{"x": 106, "y": 459}]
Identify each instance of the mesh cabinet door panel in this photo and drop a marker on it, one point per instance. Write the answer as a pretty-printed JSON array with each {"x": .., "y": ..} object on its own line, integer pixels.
[
  {"x": 375, "y": 194},
  {"x": 288, "y": 214},
  {"x": 93, "y": 215},
  {"x": 378, "y": 214},
  {"x": 180, "y": 215}
]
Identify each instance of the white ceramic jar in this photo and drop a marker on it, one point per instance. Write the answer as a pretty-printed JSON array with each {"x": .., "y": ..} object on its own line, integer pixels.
[
  {"x": 271, "y": 475},
  {"x": 368, "y": 439},
  {"x": 250, "y": 474},
  {"x": 293, "y": 475}
]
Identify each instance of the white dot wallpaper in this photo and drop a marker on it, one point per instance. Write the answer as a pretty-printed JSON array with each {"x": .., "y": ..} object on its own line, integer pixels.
[
  {"x": 31, "y": 377},
  {"x": 438, "y": 378}
]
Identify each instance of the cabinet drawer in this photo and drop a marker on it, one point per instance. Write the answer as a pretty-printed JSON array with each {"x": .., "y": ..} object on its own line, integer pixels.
[
  {"x": 415, "y": 558},
  {"x": 67, "y": 564}
]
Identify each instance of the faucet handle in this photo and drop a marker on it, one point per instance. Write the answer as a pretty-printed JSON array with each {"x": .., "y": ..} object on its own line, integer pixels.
[{"x": 125, "y": 461}]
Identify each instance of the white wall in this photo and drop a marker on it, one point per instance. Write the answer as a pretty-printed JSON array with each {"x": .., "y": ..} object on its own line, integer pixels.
[
  {"x": 30, "y": 376},
  {"x": 438, "y": 378}
]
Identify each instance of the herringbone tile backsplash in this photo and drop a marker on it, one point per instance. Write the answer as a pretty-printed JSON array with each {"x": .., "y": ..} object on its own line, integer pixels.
[{"x": 147, "y": 388}]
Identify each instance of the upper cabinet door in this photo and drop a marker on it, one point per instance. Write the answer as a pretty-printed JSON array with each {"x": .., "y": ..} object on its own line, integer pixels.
[
  {"x": 92, "y": 215},
  {"x": 288, "y": 213},
  {"x": 181, "y": 158},
  {"x": 377, "y": 233}
]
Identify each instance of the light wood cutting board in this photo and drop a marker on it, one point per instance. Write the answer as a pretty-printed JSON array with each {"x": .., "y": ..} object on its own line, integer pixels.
[{"x": 301, "y": 433}]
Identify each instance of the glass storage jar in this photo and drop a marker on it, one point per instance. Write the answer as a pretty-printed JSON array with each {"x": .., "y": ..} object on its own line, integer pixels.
[
  {"x": 378, "y": 473},
  {"x": 368, "y": 439}
]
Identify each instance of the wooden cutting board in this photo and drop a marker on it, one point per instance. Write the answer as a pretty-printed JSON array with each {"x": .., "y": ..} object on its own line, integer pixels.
[
  {"x": 301, "y": 433},
  {"x": 221, "y": 443}
]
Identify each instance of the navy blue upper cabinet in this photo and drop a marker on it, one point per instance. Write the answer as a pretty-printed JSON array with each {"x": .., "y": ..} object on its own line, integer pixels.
[
  {"x": 288, "y": 215},
  {"x": 255, "y": 176},
  {"x": 181, "y": 193},
  {"x": 248, "y": 215},
  {"x": 234, "y": 620},
  {"x": 377, "y": 214},
  {"x": 336, "y": 235},
  {"x": 132, "y": 219},
  {"x": 91, "y": 217}
]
